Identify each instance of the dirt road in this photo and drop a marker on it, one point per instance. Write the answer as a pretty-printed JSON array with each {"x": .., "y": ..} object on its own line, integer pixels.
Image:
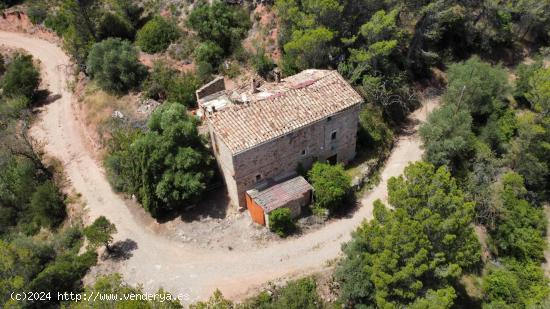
[{"x": 183, "y": 268}]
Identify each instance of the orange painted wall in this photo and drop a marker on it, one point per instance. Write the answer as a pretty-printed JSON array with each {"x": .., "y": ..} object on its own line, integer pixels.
[{"x": 256, "y": 212}]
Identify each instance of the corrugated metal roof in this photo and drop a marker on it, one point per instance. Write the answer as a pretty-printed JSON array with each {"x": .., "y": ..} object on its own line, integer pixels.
[
  {"x": 308, "y": 97},
  {"x": 279, "y": 194}
]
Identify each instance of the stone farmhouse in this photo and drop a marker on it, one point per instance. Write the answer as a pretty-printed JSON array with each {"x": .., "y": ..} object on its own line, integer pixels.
[{"x": 261, "y": 133}]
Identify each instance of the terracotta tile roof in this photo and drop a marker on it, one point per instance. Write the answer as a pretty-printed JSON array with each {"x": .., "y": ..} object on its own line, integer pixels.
[
  {"x": 307, "y": 97},
  {"x": 279, "y": 194}
]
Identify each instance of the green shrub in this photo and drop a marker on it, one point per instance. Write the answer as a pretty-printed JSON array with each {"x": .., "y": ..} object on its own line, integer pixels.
[
  {"x": 21, "y": 77},
  {"x": 183, "y": 49},
  {"x": 499, "y": 130},
  {"x": 115, "y": 26},
  {"x": 113, "y": 284},
  {"x": 157, "y": 85},
  {"x": 58, "y": 22},
  {"x": 37, "y": 13},
  {"x": 221, "y": 23},
  {"x": 183, "y": 89},
  {"x": 165, "y": 83},
  {"x": 114, "y": 64},
  {"x": 100, "y": 233},
  {"x": 262, "y": 63},
  {"x": 209, "y": 52},
  {"x": 320, "y": 211},
  {"x": 12, "y": 107},
  {"x": 520, "y": 226},
  {"x": 517, "y": 284},
  {"x": 47, "y": 205},
  {"x": 525, "y": 73},
  {"x": 216, "y": 301},
  {"x": 69, "y": 239},
  {"x": 501, "y": 284},
  {"x": 331, "y": 185},
  {"x": 280, "y": 222},
  {"x": 204, "y": 71},
  {"x": 373, "y": 132},
  {"x": 168, "y": 166},
  {"x": 116, "y": 163},
  {"x": 63, "y": 275},
  {"x": 300, "y": 293},
  {"x": 232, "y": 70},
  {"x": 157, "y": 34}
]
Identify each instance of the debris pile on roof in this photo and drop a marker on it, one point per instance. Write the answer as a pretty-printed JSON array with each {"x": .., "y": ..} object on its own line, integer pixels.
[{"x": 254, "y": 115}]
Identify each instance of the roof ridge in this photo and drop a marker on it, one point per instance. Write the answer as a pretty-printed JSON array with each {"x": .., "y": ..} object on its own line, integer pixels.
[{"x": 250, "y": 124}]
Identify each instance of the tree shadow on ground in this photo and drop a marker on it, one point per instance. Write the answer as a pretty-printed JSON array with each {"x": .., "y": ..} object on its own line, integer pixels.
[
  {"x": 120, "y": 250},
  {"x": 214, "y": 204},
  {"x": 348, "y": 208},
  {"x": 44, "y": 97}
]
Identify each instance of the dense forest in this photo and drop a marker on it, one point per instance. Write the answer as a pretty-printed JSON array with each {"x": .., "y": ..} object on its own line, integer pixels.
[
  {"x": 464, "y": 228},
  {"x": 38, "y": 252}
]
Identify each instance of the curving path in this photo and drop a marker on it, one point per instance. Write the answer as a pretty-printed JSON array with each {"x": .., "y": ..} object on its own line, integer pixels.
[{"x": 182, "y": 268}]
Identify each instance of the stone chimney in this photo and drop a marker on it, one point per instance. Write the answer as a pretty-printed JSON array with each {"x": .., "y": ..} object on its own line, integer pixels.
[
  {"x": 277, "y": 74},
  {"x": 253, "y": 85},
  {"x": 212, "y": 87}
]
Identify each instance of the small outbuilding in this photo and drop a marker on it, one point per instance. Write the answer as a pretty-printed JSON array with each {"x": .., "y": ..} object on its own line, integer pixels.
[{"x": 294, "y": 193}]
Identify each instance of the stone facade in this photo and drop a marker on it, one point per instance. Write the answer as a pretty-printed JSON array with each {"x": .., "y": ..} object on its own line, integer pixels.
[{"x": 332, "y": 138}]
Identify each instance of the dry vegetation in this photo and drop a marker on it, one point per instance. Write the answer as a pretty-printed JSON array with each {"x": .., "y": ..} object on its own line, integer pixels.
[{"x": 98, "y": 108}]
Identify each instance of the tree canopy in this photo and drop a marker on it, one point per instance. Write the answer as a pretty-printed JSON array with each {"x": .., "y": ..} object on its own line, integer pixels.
[
  {"x": 100, "y": 232},
  {"x": 21, "y": 77},
  {"x": 448, "y": 137},
  {"x": 478, "y": 86},
  {"x": 165, "y": 83},
  {"x": 331, "y": 185},
  {"x": 114, "y": 64},
  {"x": 167, "y": 167},
  {"x": 280, "y": 222},
  {"x": 157, "y": 34},
  {"x": 411, "y": 255},
  {"x": 220, "y": 23},
  {"x": 520, "y": 229},
  {"x": 39, "y": 251}
]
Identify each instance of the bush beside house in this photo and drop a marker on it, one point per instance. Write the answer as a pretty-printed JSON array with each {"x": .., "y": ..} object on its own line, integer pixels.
[
  {"x": 331, "y": 185},
  {"x": 280, "y": 222}
]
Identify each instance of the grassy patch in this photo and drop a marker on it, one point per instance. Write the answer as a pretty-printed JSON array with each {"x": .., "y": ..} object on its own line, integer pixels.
[
  {"x": 471, "y": 284},
  {"x": 98, "y": 107}
]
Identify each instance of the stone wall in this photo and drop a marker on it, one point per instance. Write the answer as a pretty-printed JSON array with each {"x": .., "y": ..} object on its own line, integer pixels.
[
  {"x": 284, "y": 154},
  {"x": 215, "y": 86},
  {"x": 224, "y": 159}
]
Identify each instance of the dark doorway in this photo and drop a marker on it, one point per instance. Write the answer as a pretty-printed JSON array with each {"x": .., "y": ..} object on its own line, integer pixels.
[{"x": 332, "y": 160}]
